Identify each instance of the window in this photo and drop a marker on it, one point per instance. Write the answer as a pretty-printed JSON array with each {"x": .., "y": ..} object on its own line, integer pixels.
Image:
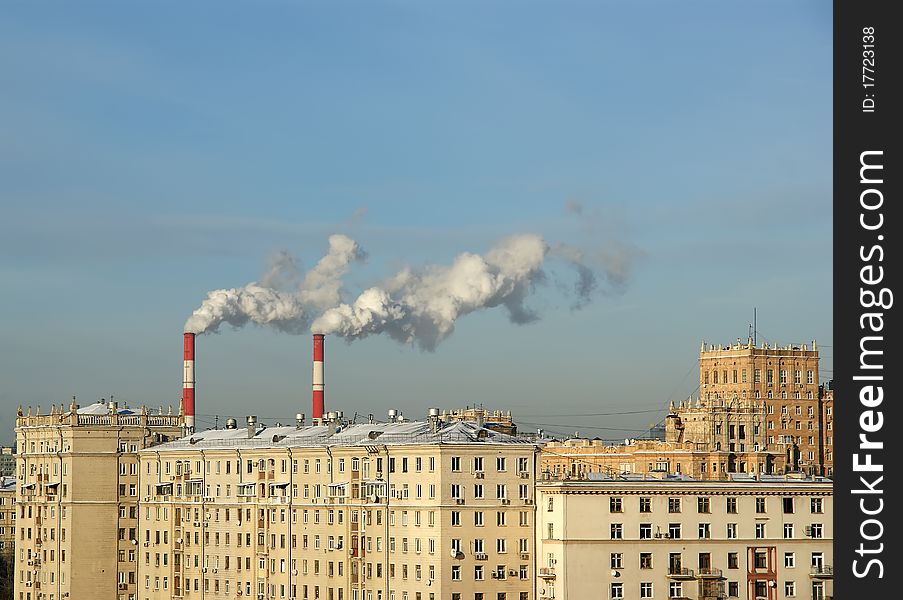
[
  {"x": 674, "y": 530},
  {"x": 757, "y": 376},
  {"x": 645, "y": 560},
  {"x": 614, "y": 505},
  {"x": 732, "y": 505},
  {"x": 616, "y": 560},
  {"x": 645, "y": 505},
  {"x": 675, "y": 589},
  {"x": 456, "y": 463},
  {"x": 815, "y": 505},
  {"x": 810, "y": 377},
  {"x": 646, "y": 589},
  {"x": 617, "y": 591},
  {"x": 787, "y": 504},
  {"x": 456, "y": 573},
  {"x": 477, "y": 518},
  {"x": 733, "y": 589},
  {"x": 789, "y": 588},
  {"x": 645, "y": 531},
  {"x": 731, "y": 531},
  {"x": 816, "y": 530},
  {"x": 788, "y": 531},
  {"x": 704, "y": 531},
  {"x": 500, "y": 463},
  {"x": 789, "y": 560},
  {"x": 783, "y": 376},
  {"x": 673, "y": 505},
  {"x": 616, "y": 531},
  {"x": 733, "y": 560},
  {"x": 702, "y": 505},
  {"x": 760, "y": 559},
  {"x": 760, "y": 531},
  {"x": 456, "y": 518},
  {"x": 760, "y": 504}
]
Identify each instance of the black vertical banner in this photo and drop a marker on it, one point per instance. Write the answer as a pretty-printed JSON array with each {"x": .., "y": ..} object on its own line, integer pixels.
[{"x": 867, "y": 265}]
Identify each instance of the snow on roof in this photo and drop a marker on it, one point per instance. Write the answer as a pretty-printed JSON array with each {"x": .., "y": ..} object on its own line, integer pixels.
[{"x": 408, "y": 432}]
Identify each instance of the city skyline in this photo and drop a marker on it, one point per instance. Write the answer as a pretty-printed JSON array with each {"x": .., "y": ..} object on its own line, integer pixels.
[{"x": 148, "y": 163}]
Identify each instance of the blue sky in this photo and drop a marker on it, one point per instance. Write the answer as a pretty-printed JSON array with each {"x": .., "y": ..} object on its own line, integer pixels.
[{"x": 150, "y": 152}]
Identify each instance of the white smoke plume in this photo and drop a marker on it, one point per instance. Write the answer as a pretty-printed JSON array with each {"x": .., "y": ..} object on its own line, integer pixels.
[
  {"x": 289, "y": 311},
  {"x": 253, "y": 302},
  {"x": 322, "y": 284},
  {"x": 415, "y": 306},
  {"x": 422, "y": 306}
]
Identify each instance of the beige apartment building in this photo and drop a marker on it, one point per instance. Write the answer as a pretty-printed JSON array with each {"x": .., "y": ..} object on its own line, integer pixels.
[
  {"x": 576, "y": 458},
  {"x": 826, "y": 426},
  {"x": 77, "y": 499},
  {"x": 752, "y": 538},
  {"x": 7, "y": 514},
  {"x": 416, "y": 510}
]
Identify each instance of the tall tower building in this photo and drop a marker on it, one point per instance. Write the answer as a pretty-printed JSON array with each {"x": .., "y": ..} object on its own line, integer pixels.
[
  {"x": 77, "y": 499},
  {"x": 783, "y": 379}
]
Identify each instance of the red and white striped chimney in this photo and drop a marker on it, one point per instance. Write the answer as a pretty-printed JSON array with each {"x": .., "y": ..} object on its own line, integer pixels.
[
  {"x": 188, "y": 383},
  {"x": 318, "y": 386}
]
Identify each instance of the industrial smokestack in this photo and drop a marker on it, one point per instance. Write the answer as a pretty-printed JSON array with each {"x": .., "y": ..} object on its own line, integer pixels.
[
  {"x": 318, "y": 386},
  {"x": 188, "y": 384}
]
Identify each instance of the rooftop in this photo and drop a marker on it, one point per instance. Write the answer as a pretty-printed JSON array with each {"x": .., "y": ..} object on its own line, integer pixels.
[
  {"x": 367, "y": 434},
  {"x": 681, "y": 479}
]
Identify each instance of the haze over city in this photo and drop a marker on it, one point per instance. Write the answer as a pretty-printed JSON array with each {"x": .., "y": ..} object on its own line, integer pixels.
[{"x": 149, "y": 160}]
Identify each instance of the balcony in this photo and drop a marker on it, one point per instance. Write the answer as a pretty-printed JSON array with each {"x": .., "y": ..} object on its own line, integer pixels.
[
  {"x": 822, "y": 572},
  {"x": 709, "y": 573},
  {"x": 547, "y": 573},
  {"x": 681, "y": 573}
]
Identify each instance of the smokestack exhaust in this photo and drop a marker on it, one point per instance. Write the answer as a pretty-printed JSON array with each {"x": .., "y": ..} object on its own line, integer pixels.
[
  {"x": 188, "y": 384},
  {"x": 318, "y": 385}
]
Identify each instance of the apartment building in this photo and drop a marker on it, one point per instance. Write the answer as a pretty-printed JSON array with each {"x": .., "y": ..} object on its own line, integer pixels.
[
  {"x": 781, "y": 379},
  {"x": 418, "y": 510},
  {"x": 576, "y": 458},
  {"x": 826, "y": 426},
  {"x": 7, "y": 461},
  {"x": 752, "y": 538},
  {"x": 7, "y": 514},
  {"x": 77, "y": 499}
]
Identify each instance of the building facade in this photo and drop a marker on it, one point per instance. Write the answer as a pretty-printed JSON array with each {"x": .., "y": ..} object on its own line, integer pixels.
[
  {"x": 577, "y": 458},
  {"x": 764, "y": 538},
  {"x": 419, "y": 510},
  {"x": 783, "y": 379},
  {"x": 7, "y": 462},
  {"x": 7, "y": 514},
  {"x": 826, "y": 426},
  {"x": 77, "y": 499}
]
